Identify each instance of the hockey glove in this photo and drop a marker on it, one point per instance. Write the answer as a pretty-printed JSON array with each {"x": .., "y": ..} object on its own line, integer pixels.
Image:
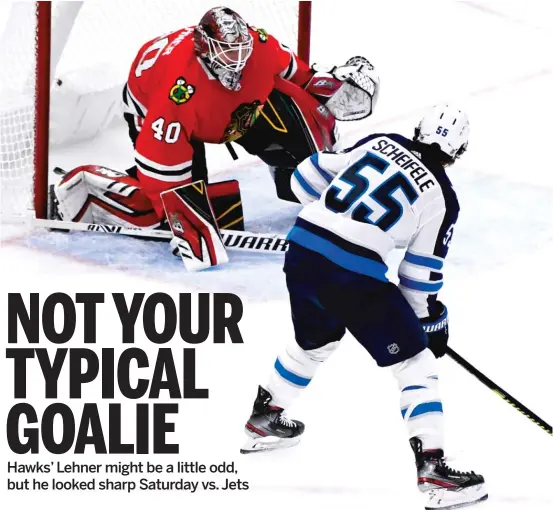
[
  {"x": 349, "y": 91},
  {"x": 436, "y": 327}
]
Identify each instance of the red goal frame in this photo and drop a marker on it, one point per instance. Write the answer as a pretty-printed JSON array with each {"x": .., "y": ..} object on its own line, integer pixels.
[{"x": 42, "y": 92}]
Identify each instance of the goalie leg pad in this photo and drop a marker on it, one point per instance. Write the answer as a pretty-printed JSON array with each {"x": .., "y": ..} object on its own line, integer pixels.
[
  {"x": 195, "y": 231},
  {"x": 94, "y": 194}
]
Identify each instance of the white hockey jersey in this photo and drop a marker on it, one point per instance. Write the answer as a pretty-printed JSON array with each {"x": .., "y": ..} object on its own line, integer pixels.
[{"x": 371, "y": 198}]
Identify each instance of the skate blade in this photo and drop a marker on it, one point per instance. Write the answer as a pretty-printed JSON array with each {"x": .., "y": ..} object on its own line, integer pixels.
[
  {"x": 265, "y": 444},
  {"x": 448, "y": 499}
]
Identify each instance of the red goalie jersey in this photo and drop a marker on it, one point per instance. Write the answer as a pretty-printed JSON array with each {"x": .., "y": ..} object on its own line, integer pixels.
[{"x": 176, "y": 100}]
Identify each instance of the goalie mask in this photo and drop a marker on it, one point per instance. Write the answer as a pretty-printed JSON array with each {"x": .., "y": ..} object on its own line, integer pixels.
[{"x": 223, "y": 42}]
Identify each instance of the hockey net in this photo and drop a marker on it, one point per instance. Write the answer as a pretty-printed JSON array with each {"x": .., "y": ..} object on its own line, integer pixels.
[{"x": 87, "y": 51}]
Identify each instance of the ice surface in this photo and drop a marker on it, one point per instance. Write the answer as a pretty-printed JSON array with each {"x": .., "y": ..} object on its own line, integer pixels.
[{"x": 494, "y": 59}]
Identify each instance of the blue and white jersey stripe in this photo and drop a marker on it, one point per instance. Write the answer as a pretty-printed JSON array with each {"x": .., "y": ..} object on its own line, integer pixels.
[
  {"x": 311, "y": 179},
  {"x": 343, "y": 253},
  {"x": 421, "y": 273},
  {"x": 399, "y": 203},
  {"x": 424, "y": 260}
]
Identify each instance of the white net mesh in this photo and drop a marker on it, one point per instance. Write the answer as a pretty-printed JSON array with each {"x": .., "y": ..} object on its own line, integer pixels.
[
  {"x": 88, "y": 38},
  {"x": 17, "y": 50}
]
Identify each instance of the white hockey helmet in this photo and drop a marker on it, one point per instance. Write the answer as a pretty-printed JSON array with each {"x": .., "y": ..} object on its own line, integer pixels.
[{"x": 446, "y": 126}]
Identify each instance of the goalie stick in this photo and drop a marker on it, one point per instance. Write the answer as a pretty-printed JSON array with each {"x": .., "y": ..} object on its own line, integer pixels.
[
  {"x": 499, "y": 391},
  {"x": 232, "y": 239}
]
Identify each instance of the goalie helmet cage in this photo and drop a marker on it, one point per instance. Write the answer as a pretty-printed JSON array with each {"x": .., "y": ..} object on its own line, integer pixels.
[{"x": 36, "y": 36}]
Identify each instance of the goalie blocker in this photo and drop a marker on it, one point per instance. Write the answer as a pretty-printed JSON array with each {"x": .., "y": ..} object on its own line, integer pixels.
[{"x": 196, "y": 236}]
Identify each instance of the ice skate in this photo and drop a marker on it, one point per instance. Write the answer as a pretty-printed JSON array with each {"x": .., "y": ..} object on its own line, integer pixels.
[
  {"x": 445, "y": 487},
  {"x": 268, "y": 428}
]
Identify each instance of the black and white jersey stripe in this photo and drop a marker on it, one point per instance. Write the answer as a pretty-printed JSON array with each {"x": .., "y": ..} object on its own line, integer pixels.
[
  {"x": 290, "y": 71},
  {"x": 133, "y": 105},
  {"x": 169, "y": 173}
]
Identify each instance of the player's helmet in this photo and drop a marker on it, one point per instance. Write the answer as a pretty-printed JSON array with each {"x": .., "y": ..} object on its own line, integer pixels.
[
  {"x": 223, "y": 42},
  {"x": 447, "y": 128}
]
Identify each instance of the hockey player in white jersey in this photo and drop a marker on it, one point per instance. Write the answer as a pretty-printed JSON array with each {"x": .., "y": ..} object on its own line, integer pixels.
[{"x": 385, "y": 192}]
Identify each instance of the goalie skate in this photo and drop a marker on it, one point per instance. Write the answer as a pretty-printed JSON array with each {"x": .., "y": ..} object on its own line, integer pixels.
[
  {"x": 444, "y": 487},
  {"x": 268, "y": 428}
]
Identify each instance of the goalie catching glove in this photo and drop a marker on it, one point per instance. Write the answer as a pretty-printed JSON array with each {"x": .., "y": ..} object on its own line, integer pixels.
[{"x": 349, "y": 91}]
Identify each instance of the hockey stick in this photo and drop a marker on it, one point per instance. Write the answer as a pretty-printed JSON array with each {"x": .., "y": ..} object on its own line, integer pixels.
[
  {"x": 233, "y": 239},
  {"x": 501, "y": 392}
]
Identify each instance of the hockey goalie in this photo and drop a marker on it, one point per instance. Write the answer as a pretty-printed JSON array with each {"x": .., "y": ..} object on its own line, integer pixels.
[{"x": 218, "y": 82}]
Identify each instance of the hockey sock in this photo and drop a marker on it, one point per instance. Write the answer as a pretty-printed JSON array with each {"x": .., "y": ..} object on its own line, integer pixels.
[
  {"x": 421, "y": 406},
  {"x": 293, "y": 370}
]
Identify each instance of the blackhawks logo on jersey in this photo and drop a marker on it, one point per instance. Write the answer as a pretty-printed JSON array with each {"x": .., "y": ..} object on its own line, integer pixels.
[
  {"x": 242, "y": 119},
  {"x": 262, "y": 34},
  {"x": 181, "y": 91}
]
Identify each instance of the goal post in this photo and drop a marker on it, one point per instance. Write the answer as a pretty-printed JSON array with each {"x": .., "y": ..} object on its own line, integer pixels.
[
  {"x": 304, "y": 30},
  {"x": 65, "y": 63},
  {"x": 42, "y": 107}
]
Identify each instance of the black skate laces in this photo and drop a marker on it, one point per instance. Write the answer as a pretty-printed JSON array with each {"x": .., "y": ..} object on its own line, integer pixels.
[{"x": 450, "y": 471}]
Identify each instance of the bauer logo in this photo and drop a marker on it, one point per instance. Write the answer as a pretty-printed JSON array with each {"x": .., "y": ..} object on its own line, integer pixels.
[
  {"x": 393, "y": 348},
  {"x": 181, "y": 92},
  {"x": 323, "y": 83}
]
